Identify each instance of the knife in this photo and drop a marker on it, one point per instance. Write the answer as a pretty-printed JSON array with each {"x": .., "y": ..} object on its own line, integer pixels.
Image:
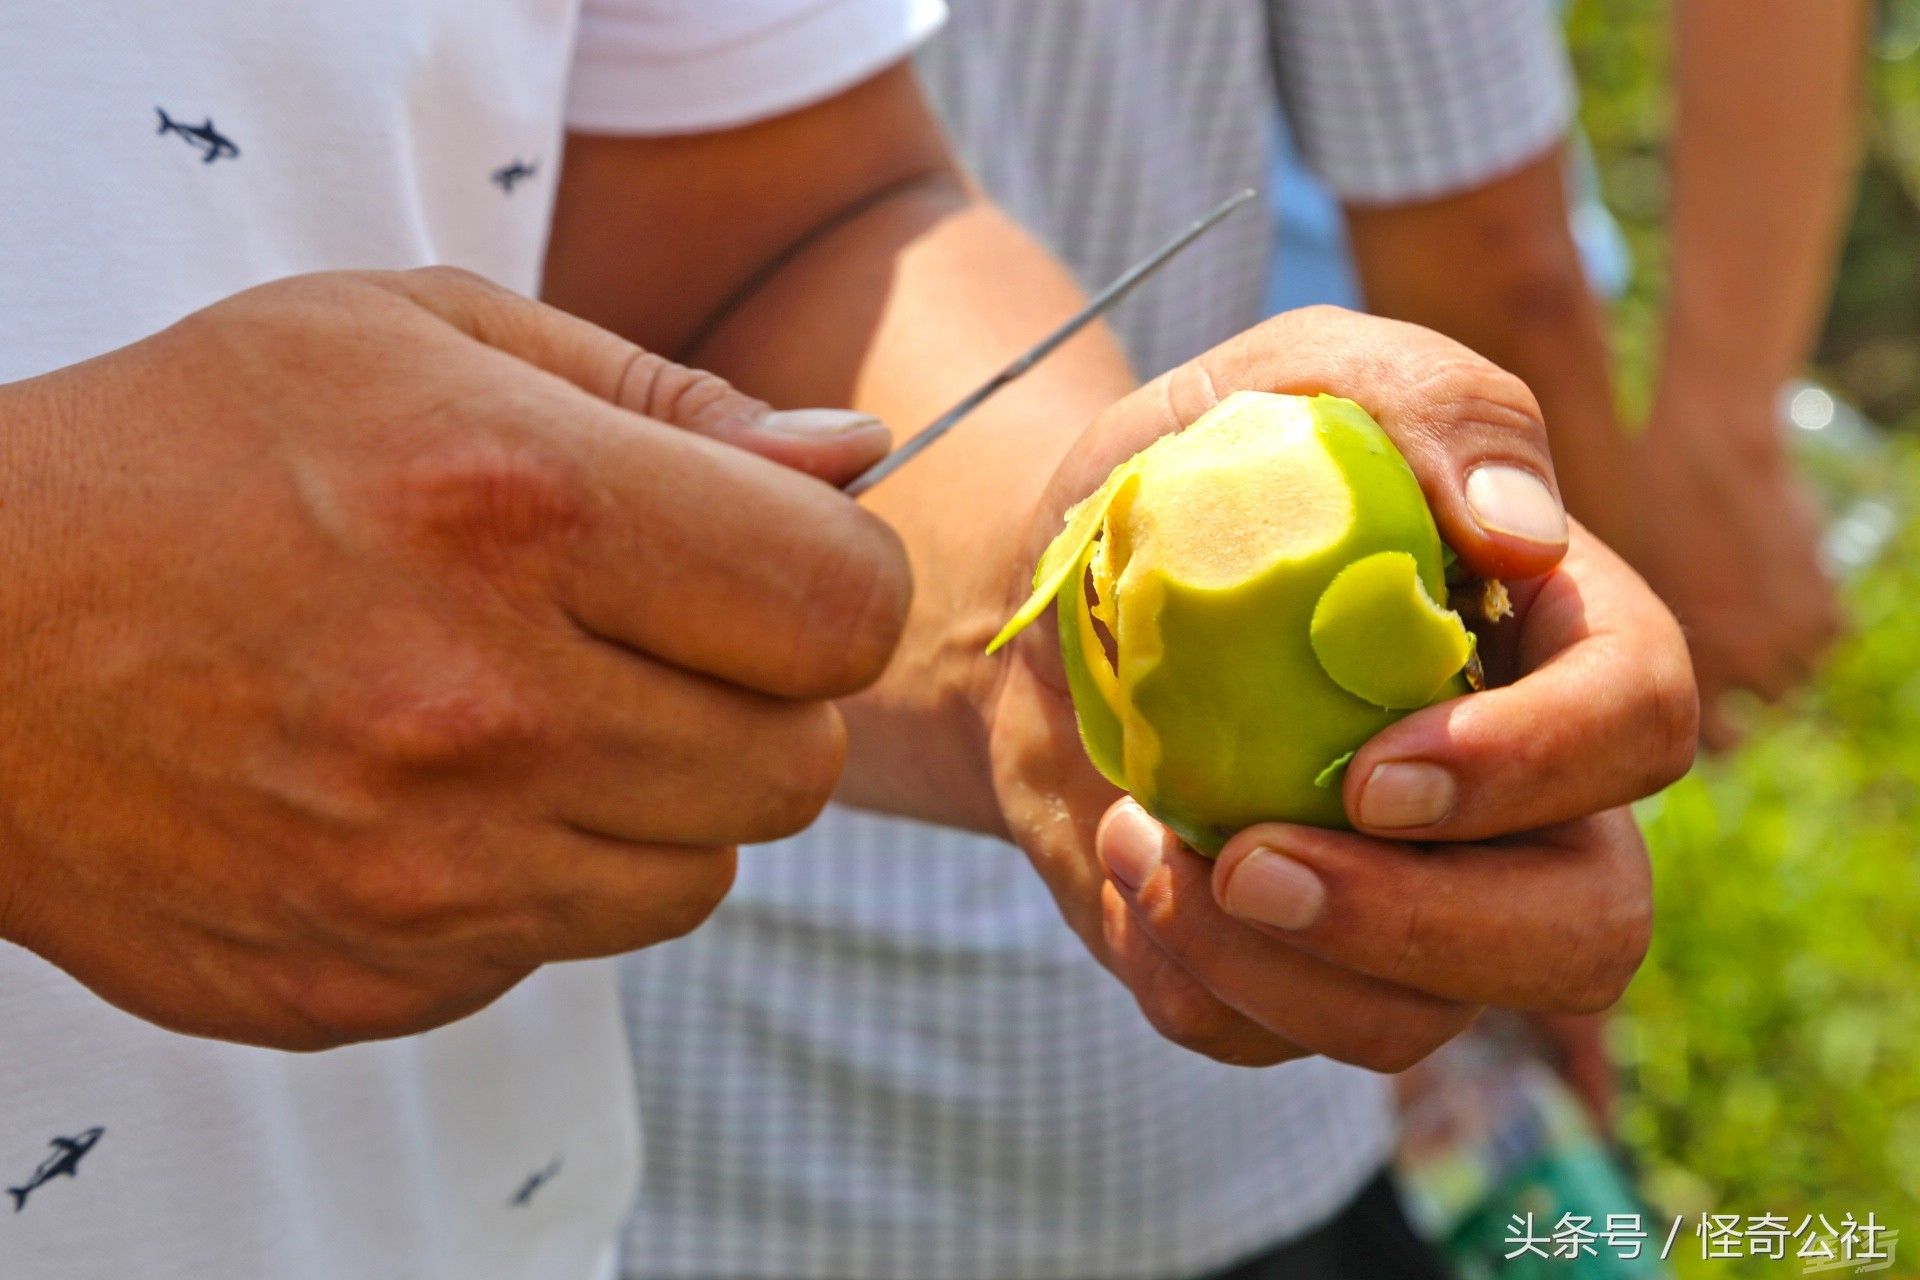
[{"x": 1102, "y": 303}]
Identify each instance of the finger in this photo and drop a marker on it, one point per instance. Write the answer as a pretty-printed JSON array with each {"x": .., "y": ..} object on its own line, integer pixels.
[
  {"x": 658, "y": 540},
  {"x": 1557, "y": 921},
  {"x": 469, "y": 892},
  {"x": 602, "y": 897},
  {"x": 1173, "y": 1001},
  {"x": 832, "y": 444},
  {"x": 1604, "y": 714},
  {"x": 1286, "y": 992},
  {"x": 526, "y": 893},
  {"x": 1472, "y": 433},
  {"x": 656, "y": 754},
  {"x": 726, "y": 564}
]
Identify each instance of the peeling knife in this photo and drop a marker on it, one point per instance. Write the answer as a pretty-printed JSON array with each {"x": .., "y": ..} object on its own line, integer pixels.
[{"x": 1102, "y": 302}]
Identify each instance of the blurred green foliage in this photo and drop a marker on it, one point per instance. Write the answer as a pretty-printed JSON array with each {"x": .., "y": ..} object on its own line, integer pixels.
[{"x": 1772, "y": 1042}]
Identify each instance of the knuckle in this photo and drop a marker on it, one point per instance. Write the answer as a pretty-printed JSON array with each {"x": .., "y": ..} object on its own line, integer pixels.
[
  {"x": 1400, "y": 942},
  {"x": 274, "y": 336},
  {"x": 803, "y": 777},
  {"x": 1671, "y": 712},
  {"x": 1632, "y": 933},
  {"x": 458, "y": 716},
  {"x": 855, "y": 608},
  {"x": 1464, "y": 388},
  {"x": 444, "y": 279},
  {"x": 481, "y": 497},
  {"x": 328, "y": 1005},
  {"x": 1608, "y": 953},
  {"x": 252, "y": 331},
  {"x": 1317, "y": 316},
  {"x": 1393, "y": 1044},
  {"x": 377, "y": 897},
  {"x": 412, "y": 894},
  {"x": 657, "y": 387},
  {"x": 1195, "y": 1022},
  {"x": 1600, "y": 991},
  {"x": 698, "y": 892},
  {"x": 1186, "y": 1013}
]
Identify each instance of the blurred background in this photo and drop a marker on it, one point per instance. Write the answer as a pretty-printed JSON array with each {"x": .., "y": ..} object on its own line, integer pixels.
[{"x": 1771, "y": 1047}]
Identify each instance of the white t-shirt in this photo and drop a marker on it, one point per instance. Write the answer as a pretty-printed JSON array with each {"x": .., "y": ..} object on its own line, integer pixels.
[{"x": 157, "y": 158}]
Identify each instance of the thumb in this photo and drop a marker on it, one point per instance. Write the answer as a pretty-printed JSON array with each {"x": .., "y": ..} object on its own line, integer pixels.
[
  {"x": 833, "y": 444},
  {"x": 1472, "y": 432}
]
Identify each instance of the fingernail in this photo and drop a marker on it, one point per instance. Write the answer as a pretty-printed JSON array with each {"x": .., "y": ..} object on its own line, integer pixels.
[
  {"x": 1273, "y": 889},
  {"x": 1130, "y": 845},
  {"x": 819, "y": 424},
  {"x": 1406, "y": 795},
  {"x": 1516, "y": 502}
]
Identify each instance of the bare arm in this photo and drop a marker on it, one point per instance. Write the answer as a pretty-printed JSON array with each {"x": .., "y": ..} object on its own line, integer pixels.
[
  {"x": 1763, "y": 156},
  {"x": 895, "y": 287},
  {"x": 1495, "y": 267},
  {"x": 1762, "y": 167},
  {"x": 884, "y": 282}
]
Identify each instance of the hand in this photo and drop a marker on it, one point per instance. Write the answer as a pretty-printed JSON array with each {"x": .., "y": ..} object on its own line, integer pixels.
[
  {"x": 1576, "y": 1044},
  {"x": 1361, "y": 945},
  {"x": 1729, "y": 537},
  {"x": 367, "y": 641}
]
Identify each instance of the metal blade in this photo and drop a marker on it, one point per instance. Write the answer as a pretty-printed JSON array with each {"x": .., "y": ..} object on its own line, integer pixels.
[{"x": 1102, "y": 302}]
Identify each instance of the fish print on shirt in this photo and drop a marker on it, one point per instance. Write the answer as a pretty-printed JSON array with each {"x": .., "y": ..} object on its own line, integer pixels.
[
  {"x": 535, "y": 1180},
  {"x": 509, "y": 176},
  {"x": 203, "y": 137},
  {"x": 63, "y": 1162}
]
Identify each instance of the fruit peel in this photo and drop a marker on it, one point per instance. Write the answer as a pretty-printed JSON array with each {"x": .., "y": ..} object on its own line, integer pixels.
[
  {"x": 1267, "y": 594},
  {"x": 1382, "y": 639}
]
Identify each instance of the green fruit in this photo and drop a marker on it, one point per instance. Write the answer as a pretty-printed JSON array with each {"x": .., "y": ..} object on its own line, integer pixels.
[{"x": 1267, "y": 592}]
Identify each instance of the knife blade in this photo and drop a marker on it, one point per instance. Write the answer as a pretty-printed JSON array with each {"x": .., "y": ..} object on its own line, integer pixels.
[{"x": 1101, "y": 303}]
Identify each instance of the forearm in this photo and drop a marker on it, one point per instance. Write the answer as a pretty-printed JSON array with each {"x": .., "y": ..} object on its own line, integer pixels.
[
  {"x": 1497, "y": 269},
  {"x": 900, "y": 310},
  {"x": 1762, "y": 164},
  {"x": 836, "y": 256}
]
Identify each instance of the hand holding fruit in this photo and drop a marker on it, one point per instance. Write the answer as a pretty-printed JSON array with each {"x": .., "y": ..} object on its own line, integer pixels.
[
  {"x": 1242, "y": 605},
  {"x": 367, "y": 641},
  {"x": 1301, "y": 939}
]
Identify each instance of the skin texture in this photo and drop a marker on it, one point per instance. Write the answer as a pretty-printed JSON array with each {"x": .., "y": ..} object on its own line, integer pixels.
[{"x": 373, "y": 639}]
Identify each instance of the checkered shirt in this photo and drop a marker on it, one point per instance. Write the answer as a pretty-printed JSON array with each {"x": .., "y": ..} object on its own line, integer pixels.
[{"x": 885, "y": 1057}]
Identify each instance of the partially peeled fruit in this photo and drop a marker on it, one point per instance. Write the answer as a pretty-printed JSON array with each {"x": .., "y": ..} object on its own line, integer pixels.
[{"x": 1242, "y": 605}]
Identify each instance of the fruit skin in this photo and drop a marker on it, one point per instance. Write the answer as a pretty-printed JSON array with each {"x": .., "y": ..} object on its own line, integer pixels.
[{"x": 1237, "y": 701}]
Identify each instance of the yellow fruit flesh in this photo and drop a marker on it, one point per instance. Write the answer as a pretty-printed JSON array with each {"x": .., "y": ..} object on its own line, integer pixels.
[{"x": 1214, "y": 557}]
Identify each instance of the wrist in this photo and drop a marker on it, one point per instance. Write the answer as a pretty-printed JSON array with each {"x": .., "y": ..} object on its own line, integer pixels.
[
  {"x": 918, "y": 741},
  {"x": 1735, "y": 428},
  {"x": 1714, "y": 370},
  {"x": 925, "y": 761}
]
